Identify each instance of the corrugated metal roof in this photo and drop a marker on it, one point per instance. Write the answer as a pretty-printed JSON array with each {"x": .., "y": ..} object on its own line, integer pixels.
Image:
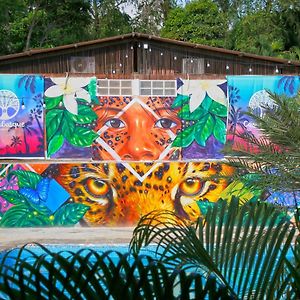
[{"x": 132, "y": 36}]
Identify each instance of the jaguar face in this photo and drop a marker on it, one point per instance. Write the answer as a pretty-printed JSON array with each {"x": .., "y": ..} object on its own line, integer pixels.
[{"x": 120, "y": 195}]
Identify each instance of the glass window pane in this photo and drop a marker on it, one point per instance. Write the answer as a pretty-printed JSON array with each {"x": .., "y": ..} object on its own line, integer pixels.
[
  {"x": 114, "y": 83},
  {"x": 102, "y": 91},
  {"x": 157, "y": 84}
]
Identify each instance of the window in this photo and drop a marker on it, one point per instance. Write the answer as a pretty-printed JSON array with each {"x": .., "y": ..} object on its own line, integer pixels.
[
  {"x": 111, "y": 87},
  {"x": 158, "y": 87}
]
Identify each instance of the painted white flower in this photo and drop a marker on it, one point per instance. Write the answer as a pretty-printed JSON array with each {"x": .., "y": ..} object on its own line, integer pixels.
[
  {"x": 68, "y": 87},
  {"x": 197, "y": 90}
]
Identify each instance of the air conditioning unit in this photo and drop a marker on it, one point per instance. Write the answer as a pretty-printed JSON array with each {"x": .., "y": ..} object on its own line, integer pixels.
[{"x": 82, "y": 64}]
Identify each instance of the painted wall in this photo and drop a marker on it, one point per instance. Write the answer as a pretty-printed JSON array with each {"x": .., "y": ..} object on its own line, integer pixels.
[
  {"x": 127, "y": 155},
  {"x": 21, "y": 116}
]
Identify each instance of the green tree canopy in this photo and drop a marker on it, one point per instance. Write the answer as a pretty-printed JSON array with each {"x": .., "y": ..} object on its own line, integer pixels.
[
  {"x": 199, "y": 21},
  {"x": 258, "y": 33}
]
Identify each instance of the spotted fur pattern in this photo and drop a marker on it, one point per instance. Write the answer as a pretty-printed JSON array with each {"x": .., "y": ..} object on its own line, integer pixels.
[{"x": 117, "y": 197}]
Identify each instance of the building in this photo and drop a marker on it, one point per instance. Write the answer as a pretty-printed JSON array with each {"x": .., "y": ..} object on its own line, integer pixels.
[{"x": 142, "y": 56}]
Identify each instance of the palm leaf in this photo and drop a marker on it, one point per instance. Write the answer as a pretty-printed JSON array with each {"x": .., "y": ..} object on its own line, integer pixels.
[
  {"x": 244, "y": 247},
  {"x": 87, "y": 274}
]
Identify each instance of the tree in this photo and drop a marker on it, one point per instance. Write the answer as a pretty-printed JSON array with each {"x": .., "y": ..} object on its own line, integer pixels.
[
  {"x": 45, "y": 23},
  {"x": 108, "y": 18},
  {"x": 258, "y": 33},
  {"x": 199, "y": 21},
  {"x": 151, "y": 14}
]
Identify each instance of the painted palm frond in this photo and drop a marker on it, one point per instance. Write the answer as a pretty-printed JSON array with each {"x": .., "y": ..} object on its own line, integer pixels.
[{"x": 244, "y": 247}]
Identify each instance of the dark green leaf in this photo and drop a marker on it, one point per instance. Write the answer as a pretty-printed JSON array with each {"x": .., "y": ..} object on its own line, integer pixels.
[
  {"x": 13, "y": 197},
  {"x": 204, "y": 129},
  {"x": 68, "y": 126},
  {"x": 70, "y": 214},
  {"x": 185, "y": 137},
  {"x": 52, "y": 102},
  {"x": 219, "y": 131},
  {"x": 180, "y": 100},
  {"x": 53, "y": 120},
  {"x": 14, "y": 216},
  {"x": 185, "y": 113},
  {"x": 218, "y": 109},
  {"x": 55, "y": 144},
  {"x": 83, "y": 137},
  {"x": 85, "y": 115},
  {"x": 26, "y": 178}
]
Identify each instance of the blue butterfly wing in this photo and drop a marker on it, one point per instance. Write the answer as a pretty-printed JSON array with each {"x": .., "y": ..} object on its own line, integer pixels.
[
  {"x": 30, "y": 194},
  {"x": 43, "y": 189}
]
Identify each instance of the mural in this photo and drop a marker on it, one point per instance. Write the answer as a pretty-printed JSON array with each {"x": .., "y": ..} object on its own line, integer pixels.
[
  {"x": 70, "y": 119},
  {"x": 21, "y": 116},
  {"x": 203, "y": 110},
  {"x": 28, "y": 199},
  {"x": 191, "y": 125},
  {"x": 144, "y": 153},
  {"x": 106, "y": 193},
  {"x": 246, "y": 92},
  {"x": 136, "y": 128}
]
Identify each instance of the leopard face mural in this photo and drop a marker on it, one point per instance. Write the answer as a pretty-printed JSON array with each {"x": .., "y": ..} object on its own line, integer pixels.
[
  {"x": 136, "y": 128},
  {"x": 117, "y": 196}
]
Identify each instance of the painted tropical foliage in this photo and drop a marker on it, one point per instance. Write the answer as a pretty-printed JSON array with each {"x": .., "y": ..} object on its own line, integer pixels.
[
  {"x": 69, "y": 116},
  {"x": 33, "y": 203},
  {"x": 203, "y": 113}
]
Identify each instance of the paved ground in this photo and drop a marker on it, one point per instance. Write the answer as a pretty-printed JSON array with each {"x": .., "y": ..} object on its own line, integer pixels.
[{"x": 12, "y": 237}]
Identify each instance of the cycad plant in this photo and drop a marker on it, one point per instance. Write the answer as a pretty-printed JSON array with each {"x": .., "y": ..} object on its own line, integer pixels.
[{"x": 244, "y": 247}]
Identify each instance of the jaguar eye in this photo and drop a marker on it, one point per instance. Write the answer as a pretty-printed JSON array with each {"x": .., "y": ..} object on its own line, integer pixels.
[
  {"x": 97, "y": 187},
  {"x": 165, "y": 123},
  {"x": 191, "y": 186},
  {"x": 114, "y": 123}
]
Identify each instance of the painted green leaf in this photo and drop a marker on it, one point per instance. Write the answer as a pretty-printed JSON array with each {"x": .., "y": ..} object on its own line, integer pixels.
[
  {"x": 53, "y": 120},
  {"x": 40, "y": 208},
  {"x": 206, "y": 103},
  {"x": 185, "y": 113},
  {"x": 83, "y": 137},
  {"x": 204, "y": 206},
  {"x": 92, "y": 88},
  {"x": 34, "y": 220},
  {"x": 184, "y": 138},
  {"x": 14, "y": 216},
  {"x": 218, "y": 109},
  {"x": 70, "y": 214},
  {"x": 13, "y": 197},
  {"x": 204, "y": 129},
  {"x": 180, "y": 100},
  {"x": 26, "y": 178},
  {"x": 219, "y": 131},
  {"x": 85, "y": 115},
  {"x": 68, "y": 126},
  {"x": 52, "y": 102},
  {"x": 55, "y": 144},
  {"x": 238, "y": 189}
]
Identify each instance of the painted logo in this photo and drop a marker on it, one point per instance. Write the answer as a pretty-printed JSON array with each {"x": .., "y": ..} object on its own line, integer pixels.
[{"x": 9, "y": 105}]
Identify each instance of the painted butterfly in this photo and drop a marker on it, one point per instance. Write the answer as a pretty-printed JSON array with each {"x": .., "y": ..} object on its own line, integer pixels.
[{"x": 39, "y": 194}]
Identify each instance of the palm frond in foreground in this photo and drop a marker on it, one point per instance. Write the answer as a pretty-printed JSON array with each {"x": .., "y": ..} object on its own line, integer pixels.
[
  {"x": 88, "y": 274},
  {"x": 244, "y": 247}
]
